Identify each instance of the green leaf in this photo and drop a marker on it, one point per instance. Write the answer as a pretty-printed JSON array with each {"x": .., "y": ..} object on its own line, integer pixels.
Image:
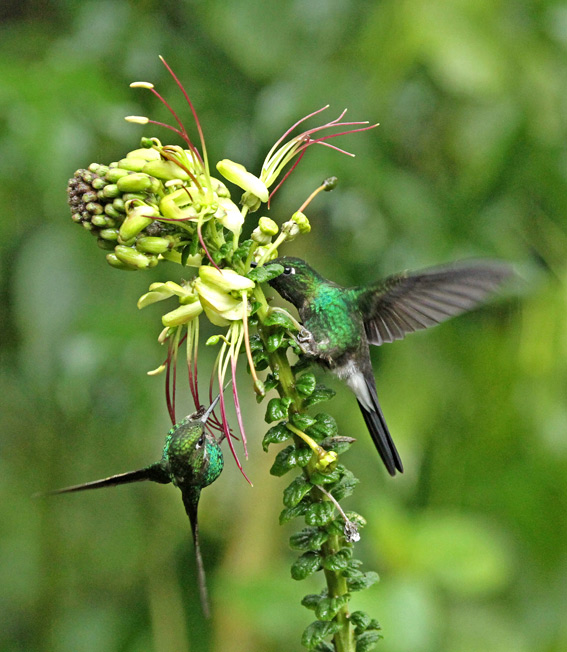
[
  {"x": 290, "y": 513},
  {"x": 325, "y": 426},
  {"x": 324, "y": 646},
  {"x": 320, "y": 394},
  {"x": 185, "y": 253},
  {"x": 311, "y": 600},
  {"x": 303, "y": 456},
  {"x": 275, "y": 341},
  {"x": 360, "y": 620},
  {"x": 320, "y": 513},
  {"x": 345, "y": 486},
  {"x": 367, "y": 641},
  {"x": 264, "y": 274},
  {"x": 364, "y": 581},
  {"x": 277, "y": 409},
  {"x": 243, "y": 250},
  {"x": 328, "y": 608},
  {"x": 306, "y": 565},
  {"x": 285, "y": 460},
  {"x": 310, "y": 538},
  {"x": 326, "y": 477},
  {"x": 317, "y": 632},
  {"x": 280, "y": 318},
  {"x": 295, "y": 491},
  {"x": 275, "y": 435},
  {"x": 306, "y": 384},
  {"x": 338, "y": 444},
  {"x": 302, "y": 421},
  {"x": 338, "y": 561}
]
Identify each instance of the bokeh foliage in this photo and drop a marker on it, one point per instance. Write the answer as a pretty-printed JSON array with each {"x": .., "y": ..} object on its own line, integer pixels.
[{"x": 469, "y": 160}]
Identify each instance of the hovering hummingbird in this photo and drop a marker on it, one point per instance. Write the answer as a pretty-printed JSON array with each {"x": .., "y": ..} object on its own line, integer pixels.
[
  {"x": 339, "y": 323},
  {"x": 191, "y": 460}
]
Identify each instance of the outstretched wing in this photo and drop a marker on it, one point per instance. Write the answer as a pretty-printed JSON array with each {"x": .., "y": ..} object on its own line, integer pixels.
[{"x": 412, "y": 301}]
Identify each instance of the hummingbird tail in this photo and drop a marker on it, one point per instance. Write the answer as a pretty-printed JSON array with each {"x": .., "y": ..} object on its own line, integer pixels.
[
  {"x": 191, "y": 502},
  {"x": 149, "y": 473},
  {"x": 382, "y": 439}
]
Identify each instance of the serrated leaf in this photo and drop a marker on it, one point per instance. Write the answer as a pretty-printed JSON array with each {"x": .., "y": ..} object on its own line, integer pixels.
[
  {"x": 290, "y": 513},
  {"x": 302, "y": 421},
  {"x": 275, "y": 435},
  {"x": 326, "y": 477},
  {"x": 324, "y": 646},
  {"x": 285, "y": 460},
  {"x": 317, "y": 632},
  {"x": 243, "y": 250},
  {"x": 264, "y": 274},
  {"x": 310, "y": 538},
  {"x": 325, "y": 426},
  {"x": 367, "y": 641},
  {"x": 279, "y": 318},
  {"x": 275, "y": 340},
  {"x": 320, "y": 514},
  {"x": 295, "y": 491},
  {"x": 364, "y": 581},
  {"x": 311, "y": 600},
  {"x": 338, "y": 561},
  {"x": 277, "y": 409},
  {"x": 306, "y": 384},
  {"x": 305, "y": 565},
  {"x": 345, "y": 486},
  {"x": 271, "y": 382},
  {"x": 303, "y": 456},
  {"x": 320, "y": 394},
  {"x": 328, "y": 608},
  {"x": 360, "y": 620}
]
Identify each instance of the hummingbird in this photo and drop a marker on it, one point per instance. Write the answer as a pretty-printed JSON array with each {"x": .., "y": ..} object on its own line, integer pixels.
[
  {"x": 340, "y": 323},
  {"x": 191, "y": 459}
]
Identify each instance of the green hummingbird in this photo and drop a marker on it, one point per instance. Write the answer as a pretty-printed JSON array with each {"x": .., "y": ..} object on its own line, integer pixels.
[
  {"x": 340, "y": 323},
  {"x": 191, "y": 460}
]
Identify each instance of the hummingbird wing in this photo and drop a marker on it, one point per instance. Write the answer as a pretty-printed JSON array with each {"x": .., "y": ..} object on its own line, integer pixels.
[
  {"x": 412, "y": 301},
  {"x": 154, "y": 473}
]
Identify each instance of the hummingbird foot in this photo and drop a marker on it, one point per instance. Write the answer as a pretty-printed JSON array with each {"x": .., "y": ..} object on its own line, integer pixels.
[{"x": 306, "y": 342}]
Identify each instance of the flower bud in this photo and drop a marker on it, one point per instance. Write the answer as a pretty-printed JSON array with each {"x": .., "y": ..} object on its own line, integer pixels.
[
  {"x": 114, "y": 174},
  {"x": 138, "y": 182},
  {"x": 115, "y": 262},
  {"x": 165, "y": 170},
  {"x": 182, "y": 315},
  {"x": 148, "y": 154},
  {"x": 302, "y": 222},
  {"x": 109, "y": 234},
  {"x": 225, "y": 279},
  {"x": 229, "y": 215},
  {"x": 268, "y": 226},
  {"x": 152, "y": 245},
  {"x": 131, "y": 257},
  {"x": 132, "y": 164},
  {"x": 251, "y": 201},
  {"x": 291, "y": 229},
  {"x": 137, "y": 220},
  {"x": 240, "y": 176},
  {"x": 260, "y": 237}
]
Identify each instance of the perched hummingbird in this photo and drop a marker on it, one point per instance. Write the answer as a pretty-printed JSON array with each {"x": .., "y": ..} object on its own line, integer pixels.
[
  {"x": 191, "y": 460},
  {"x": 339, "y": 323}
]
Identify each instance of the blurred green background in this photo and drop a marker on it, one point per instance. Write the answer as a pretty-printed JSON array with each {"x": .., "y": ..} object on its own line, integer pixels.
[{"x": 469, "y": 160}]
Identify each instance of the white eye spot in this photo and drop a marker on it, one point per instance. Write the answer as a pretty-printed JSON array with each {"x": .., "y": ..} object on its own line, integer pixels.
[
  {"x": 289, "y": 270},
  {"x": 200, "y": 442}
]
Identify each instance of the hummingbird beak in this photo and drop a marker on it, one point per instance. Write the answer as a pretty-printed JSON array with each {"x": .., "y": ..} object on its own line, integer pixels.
[{"x": 212, "y": 406}]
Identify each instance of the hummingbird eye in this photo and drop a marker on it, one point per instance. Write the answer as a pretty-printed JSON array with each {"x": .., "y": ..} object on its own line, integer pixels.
[
  {"x": 200, "y": 441},
  {"x": 288, "y": 270}
]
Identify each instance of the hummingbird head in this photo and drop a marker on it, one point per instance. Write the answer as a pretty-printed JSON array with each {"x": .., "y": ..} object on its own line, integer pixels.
[
  {"x": 192, "y": 456},
  {"x": 297, "y": 281}
]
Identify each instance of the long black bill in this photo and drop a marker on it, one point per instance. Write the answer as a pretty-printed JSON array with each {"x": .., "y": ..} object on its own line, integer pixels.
[{"x": 154, "y": 473}]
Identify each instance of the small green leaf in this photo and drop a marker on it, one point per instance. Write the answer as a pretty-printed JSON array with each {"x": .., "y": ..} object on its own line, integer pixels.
[
  {"x": 311, "y": 600},
  {"x": 338, "y": 444},
  {"x": 317, "y": 632},
  {"x": 271, "y": 382},
  {"x": 264, "y": 274},
  {"x": 306, "y": 384},
  {"x": 285, "y": 460},
  {"x": 275, "y": 341},
  {"x": 352, "y": 570},
  {"x": 306, "y": 565},
  {"x": 345, "y": 486},
  {"x": 243, "y": 250},
  {"x": 185, "y": 253},
  {"x": 328, "y": 608},
  {"x": 362, "y": 582},
  {"x": 325, "y": 426},
  {"x": 367, "y": 641},
  {"x": 338, "y": 561},
  {"x": 320, "y": 394},
  {"x": 310, "y": 538},
  {"x": 277, "y": 409},
  {"x": 360, "y": 620},
  {"x": 324, "y": 646},
  {"x": 295, "y": 491},
  {"x": 320, "y": 513},
  {"x": 326, "y": 477},
  {"x": 302, "y": 421},
  {"x": 280, "y": 318},
  {"x": 303, "y": 456},
  {"x": 275, "y": 435},
  {"x": 290, "y": 513}
]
